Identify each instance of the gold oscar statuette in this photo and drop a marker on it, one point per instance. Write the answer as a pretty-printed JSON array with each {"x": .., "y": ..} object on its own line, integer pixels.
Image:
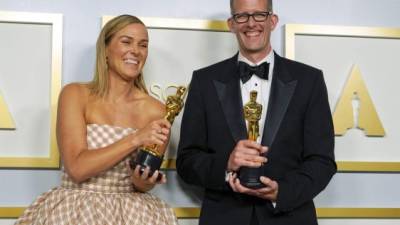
[
  {"x": 252, "y": 113},
  {"x": 150, "y": 156},
  {"x": 250, "y": 177}
]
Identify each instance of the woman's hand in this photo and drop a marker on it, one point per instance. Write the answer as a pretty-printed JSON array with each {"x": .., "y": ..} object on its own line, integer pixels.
[
  {"x": 156, "y": 132},
  {"x": 143, "y": 182}
]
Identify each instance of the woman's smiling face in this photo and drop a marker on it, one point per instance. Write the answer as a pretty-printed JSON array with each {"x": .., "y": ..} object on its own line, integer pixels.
[{"x": 127, "y": 51}]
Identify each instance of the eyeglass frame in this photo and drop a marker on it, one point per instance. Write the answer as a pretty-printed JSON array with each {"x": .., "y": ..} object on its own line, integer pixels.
[{"x": 267, "y": 14}]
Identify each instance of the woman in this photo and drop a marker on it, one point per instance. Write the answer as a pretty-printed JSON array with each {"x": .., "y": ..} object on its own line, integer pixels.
[{"x": 99, "y": 127}]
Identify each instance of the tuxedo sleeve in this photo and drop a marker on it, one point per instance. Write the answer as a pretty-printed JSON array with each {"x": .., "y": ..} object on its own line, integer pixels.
[
  {"x": 196, "y": 163},
  {"x": 318, "y": 164}
]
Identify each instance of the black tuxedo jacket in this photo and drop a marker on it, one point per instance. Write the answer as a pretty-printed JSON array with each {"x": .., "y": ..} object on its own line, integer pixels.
[{"x": 298, "y": 131}]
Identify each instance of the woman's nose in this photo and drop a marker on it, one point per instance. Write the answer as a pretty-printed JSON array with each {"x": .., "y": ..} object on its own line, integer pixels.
[{"x": 134, "y": 49}]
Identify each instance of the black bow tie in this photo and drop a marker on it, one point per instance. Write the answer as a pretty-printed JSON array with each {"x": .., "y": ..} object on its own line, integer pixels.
[{"x": 246, "y": 71}]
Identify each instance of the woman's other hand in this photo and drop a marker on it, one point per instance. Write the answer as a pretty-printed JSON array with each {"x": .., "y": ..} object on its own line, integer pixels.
[{"x": 143, "y": 182}]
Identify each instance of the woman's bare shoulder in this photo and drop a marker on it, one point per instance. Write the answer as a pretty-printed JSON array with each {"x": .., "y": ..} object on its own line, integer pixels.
[
  {"x": 154, "y": 107},
  {"x": 76, "y": 92},
  {"x": 76, "y": 88}
]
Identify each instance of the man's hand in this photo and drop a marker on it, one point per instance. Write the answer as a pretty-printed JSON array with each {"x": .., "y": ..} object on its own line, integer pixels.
[
  {"x": 246, "y": 153},
  {"x": 269, "y": 192}
]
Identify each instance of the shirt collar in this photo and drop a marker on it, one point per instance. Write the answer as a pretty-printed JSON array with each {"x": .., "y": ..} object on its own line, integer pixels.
[{"x": 268, "y": 58}]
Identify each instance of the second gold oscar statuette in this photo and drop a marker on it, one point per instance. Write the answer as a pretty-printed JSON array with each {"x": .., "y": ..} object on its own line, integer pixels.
[{"x": 149, "y": 156}]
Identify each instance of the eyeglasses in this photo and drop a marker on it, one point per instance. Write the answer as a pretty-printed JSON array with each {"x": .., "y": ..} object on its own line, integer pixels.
[{"x": 257, "y": 16}]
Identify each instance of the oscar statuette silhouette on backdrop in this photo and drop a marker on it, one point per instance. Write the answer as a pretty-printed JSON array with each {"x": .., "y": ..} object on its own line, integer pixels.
[
  {"x": 150, "y": 156},
  {"x": 250, "y": 177}
]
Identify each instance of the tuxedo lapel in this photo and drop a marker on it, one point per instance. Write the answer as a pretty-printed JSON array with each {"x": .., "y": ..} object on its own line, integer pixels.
[
  {"x": 282, "y": 89},
  {"x": 229, "y": 95}
]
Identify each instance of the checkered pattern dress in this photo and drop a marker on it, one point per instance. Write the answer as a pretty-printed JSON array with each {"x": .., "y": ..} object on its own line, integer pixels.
[{"x": 108, "y": 198}]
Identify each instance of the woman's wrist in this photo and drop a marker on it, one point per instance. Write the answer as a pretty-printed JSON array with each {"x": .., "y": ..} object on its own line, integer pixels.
[{"x": 134, "y": 142}]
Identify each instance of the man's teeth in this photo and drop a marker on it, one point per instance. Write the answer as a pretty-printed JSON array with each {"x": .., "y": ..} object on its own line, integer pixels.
[{"x": 252, "y": 33}]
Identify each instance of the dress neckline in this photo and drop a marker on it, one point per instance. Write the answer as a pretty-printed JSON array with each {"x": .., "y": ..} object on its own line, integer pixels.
[{"x": 108, "y": 125}]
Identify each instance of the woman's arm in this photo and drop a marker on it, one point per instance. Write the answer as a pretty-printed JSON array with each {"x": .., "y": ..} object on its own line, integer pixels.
[{"x": 79, "y": 162}]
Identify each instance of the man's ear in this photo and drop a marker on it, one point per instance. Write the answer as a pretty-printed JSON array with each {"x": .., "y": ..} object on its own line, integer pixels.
[
  {"x": 274, "y": 21},
  {"x": 231, "y": 25}
]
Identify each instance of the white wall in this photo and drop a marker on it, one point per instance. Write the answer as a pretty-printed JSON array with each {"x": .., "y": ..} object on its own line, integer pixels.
[{"x": 81, "y": 25}]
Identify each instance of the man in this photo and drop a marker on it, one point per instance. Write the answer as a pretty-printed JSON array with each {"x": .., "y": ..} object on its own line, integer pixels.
[{"x": 295, "y": 147}]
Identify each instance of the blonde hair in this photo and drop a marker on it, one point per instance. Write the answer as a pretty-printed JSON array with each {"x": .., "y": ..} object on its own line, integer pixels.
[{"x": 99, "y": 86}]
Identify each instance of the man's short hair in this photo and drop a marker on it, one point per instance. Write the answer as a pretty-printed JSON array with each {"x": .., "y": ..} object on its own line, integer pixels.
[{"x": 269, "y": 3}]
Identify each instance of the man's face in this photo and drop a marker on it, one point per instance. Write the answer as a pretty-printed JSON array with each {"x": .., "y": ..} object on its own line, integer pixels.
[{"x": 253, "y": 36}]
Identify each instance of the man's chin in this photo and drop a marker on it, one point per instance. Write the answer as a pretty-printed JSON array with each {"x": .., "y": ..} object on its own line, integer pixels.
[{"x": 255, "y": 49}]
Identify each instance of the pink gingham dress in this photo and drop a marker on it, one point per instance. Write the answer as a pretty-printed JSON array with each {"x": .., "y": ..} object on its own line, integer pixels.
[{"x": 108, "y": 198}]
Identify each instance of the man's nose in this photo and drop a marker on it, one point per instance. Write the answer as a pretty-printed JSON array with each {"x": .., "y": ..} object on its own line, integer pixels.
[{"x": 251, "y": 21}]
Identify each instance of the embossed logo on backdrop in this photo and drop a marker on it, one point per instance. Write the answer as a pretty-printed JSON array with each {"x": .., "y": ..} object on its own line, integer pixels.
[{"x": 355, "y": 109}]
